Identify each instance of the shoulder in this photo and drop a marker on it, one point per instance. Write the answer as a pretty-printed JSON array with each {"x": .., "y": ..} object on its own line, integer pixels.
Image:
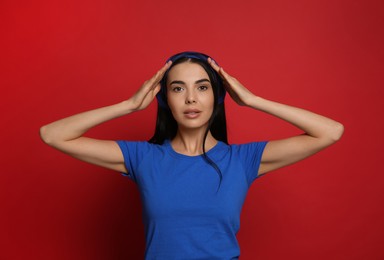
[
  {"x": 139, "y": 147},
  {"x": 248, "y": 152},
  {"x": 241, "y": 152},
  {"x": 131, "y": 144},
  {"x": 249, "y": 147}
]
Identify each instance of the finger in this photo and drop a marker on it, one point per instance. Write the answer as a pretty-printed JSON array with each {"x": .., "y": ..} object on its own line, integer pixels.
[
  {"x": 225, "y": 76},
  {"x": 160, "y": 73},
  {"x": 150, "y": 94},
  {"x": 165, "y": 67},
  {"x": 156, "y": 89},
  {"x": 213, "y": 64},
  {"x": 228, "y": 78},
  {"x": 224, "y": 73}
]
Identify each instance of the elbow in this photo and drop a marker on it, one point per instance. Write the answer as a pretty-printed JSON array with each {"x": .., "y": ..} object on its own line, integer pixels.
[
  {"x": 331, "y": 135},
  {"x": 45, "y": 135},
  {"x": 336, "y": 132}
]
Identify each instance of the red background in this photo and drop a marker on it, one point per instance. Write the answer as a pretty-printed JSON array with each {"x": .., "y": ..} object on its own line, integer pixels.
[{"x": 63, "y": 57}]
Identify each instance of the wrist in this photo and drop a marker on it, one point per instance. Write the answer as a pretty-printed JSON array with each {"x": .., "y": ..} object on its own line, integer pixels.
[{"x": 127, "y": 106}]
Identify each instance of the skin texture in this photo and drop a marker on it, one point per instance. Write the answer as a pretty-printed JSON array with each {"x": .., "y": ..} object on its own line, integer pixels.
[
  {"x": 67, "y": 134},
  {"x": 191, "y": 100},
  {"x": 320, "y": 132}
]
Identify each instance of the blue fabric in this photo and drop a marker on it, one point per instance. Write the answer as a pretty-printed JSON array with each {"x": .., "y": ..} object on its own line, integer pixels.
[{"x": 184, "y": 215}]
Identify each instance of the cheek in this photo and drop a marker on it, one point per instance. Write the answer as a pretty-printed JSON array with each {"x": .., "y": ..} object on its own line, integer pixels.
[
  {"x": 208, "y": 100},
  {"x": 174, "y": 104},
  {"x": 172, "y": 101}
]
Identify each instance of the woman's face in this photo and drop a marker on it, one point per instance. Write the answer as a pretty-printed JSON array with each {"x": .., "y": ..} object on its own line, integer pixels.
[{"x": 190, "y": 95}]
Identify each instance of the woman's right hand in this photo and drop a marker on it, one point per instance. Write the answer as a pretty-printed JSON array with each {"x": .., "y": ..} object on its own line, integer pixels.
[
  {"x": 66, "y": 134},
  {"x": 147, "y": 92}
]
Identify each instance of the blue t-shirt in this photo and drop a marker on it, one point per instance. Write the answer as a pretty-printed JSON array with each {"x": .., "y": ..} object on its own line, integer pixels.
[{"x": 185, "y": 215}]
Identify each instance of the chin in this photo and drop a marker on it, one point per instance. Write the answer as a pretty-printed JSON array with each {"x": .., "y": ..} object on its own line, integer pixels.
[{"x": 193, "y": 125}]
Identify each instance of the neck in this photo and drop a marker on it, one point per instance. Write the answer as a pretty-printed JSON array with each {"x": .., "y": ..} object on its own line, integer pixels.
[{"x": 191, "y": 142}]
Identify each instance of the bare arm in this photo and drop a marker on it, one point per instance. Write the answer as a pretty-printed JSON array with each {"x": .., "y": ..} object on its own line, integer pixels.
[
  {"x": 319, "y": 131},
  {"x": 66, "y": 134}
]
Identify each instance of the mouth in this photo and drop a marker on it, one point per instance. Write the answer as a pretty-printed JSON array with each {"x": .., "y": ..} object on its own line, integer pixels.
[{"x": 192, "y": 113}]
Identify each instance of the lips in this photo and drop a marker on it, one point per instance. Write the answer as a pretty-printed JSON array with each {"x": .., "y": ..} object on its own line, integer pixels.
[{"x": 192, "y": 113}]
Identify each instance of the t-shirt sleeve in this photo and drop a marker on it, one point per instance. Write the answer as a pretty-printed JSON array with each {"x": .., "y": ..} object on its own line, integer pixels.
[
  {"x": 133, "y": 153},
  {"x": 250, "y": 155}
]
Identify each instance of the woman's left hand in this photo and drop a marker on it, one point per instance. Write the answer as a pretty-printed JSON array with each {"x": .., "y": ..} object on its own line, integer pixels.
[
  {"x": 320, "y": 131},
  {"x": 240, "y": 94}
]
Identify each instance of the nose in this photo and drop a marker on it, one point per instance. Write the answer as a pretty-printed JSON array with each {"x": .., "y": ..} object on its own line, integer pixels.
[{"x": 190, "y": 99}]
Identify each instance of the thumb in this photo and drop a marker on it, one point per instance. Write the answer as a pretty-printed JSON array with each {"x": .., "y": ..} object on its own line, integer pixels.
[{"x": 157, "y": 89}]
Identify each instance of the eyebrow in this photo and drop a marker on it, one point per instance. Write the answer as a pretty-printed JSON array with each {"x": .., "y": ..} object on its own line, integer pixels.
[{"x": 183, "y": 83}]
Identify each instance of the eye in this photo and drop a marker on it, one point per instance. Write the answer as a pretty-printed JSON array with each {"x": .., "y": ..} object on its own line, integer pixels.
[
  {"x": 177, "y": 89},
  {"x": 203, "y": 88}
]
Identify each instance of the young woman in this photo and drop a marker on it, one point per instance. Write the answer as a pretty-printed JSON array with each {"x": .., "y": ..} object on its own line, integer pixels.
[{"x": 192, "y": 182}]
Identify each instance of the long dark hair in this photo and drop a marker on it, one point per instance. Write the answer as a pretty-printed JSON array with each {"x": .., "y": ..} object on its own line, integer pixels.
[{"x": 166, "y": 125}]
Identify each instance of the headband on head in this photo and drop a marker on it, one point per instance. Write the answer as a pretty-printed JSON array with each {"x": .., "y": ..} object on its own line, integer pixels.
[{"x": 162, "y": 95}]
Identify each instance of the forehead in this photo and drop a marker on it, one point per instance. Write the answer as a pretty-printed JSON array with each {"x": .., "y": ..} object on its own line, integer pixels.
[{"x": 187, "y": 70}]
